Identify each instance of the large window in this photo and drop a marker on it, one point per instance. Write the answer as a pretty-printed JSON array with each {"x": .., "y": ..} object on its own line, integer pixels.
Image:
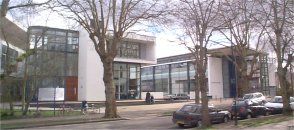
[
  {"x": 56, "y": 56},
  {"x": 54, "y": 40},
  {"x": 179, "y": 78},
  {"x": 127, "y": 80},
  {"x": 147, "y": 79},
  {"x": 129, "y": 50},
  {"x": 162, "y": 78},
  {"x": 7, "y": 54}
]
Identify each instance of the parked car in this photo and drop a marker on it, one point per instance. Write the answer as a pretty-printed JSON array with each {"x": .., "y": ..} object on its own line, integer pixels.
[
  {"x": 182, "y": 96},
  {"x": 275, "y": 105},
  {"x": 246, "y": 109},
  {"x": 256, "y": 98},
  {"x": 190, "y": 114},
  {"x": 292, "y": 106},
  {"x": 169, "y": 96}
]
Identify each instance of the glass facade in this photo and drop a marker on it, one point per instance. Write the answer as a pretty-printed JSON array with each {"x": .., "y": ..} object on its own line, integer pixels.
[
  {"x": 173, "y": 78},
  {"x": 56, "y": 57},
  {"x": 127, "y": 80},
  {"x": 162, "y": 78},
  {"x": 129, "y": 50},
  {"x": 5, "y": 57}
]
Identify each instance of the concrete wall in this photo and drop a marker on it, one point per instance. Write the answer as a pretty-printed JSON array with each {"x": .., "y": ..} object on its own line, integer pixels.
[
  {"x": 91, "y": 86},
  {"x": 215, "y": 77},
  {"x": 156, "y": 95}
]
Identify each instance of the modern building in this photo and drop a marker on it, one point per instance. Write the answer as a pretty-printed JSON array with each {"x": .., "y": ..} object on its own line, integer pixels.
[
  {"x": 12, "y": 45},
  {"x": 175, "y": 75},
  {"x": 55, "y": 61},
  {"x": 66, "y": 61},
  {"x": 66, "y": 65},
  {"x": 135, "y": 51}
]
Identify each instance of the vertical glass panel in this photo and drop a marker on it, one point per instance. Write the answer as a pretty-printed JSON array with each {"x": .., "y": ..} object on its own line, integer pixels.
[
  {"x": 179, "y": 78},
  {"x": 72, "y": 64},
  {"x": 55, "y": 68},
  {"x": 147, "y": 79},
  {"x": 161, "y": 78}
]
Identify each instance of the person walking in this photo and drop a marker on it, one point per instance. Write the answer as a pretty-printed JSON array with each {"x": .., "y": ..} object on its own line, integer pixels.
[{"x": 147, "y": 99}]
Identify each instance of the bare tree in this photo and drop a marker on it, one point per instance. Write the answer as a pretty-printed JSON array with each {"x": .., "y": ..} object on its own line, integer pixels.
[
  {"x": 8, "y": 5},
  {"x": 242, "y": 32},
  {"x": 196, "y": 19},
  {"x": 21, "y": 7},
  {"x": 278, "y": 23},
  {"x": 107, "y": 22}
]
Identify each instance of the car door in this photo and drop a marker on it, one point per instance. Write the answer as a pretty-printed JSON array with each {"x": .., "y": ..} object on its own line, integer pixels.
[{"x": 213, "y": 114}]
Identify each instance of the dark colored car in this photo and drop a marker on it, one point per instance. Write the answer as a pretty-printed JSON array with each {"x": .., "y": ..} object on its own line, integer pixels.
[
  {"x": 245, "y": 109},
  {"x": 190, "y": 114}
]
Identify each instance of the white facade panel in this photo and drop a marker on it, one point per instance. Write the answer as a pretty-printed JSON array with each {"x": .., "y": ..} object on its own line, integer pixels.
[
  {"x": 215, "y": 77},
  {"x": 91, "y": 86}
]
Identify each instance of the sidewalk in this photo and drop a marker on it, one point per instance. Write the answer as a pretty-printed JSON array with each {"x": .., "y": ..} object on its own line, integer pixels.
[
  {"x": 126, "y": 112},
  {"x": 285, "y": 125}
]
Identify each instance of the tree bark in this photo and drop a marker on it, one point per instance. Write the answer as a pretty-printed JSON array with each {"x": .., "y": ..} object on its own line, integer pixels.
[
  {"x": 197, "y": 98},
  {"x": 110, "y": 103},
  {"x": 204, "y": 101},
  {"x": 285, "y": 86}
]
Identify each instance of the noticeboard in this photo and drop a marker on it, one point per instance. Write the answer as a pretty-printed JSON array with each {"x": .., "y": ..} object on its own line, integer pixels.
[{"x": 51, "y": 94}]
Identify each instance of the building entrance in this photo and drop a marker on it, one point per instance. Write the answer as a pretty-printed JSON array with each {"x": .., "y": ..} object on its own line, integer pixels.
[{"x": 127, "y": 80}]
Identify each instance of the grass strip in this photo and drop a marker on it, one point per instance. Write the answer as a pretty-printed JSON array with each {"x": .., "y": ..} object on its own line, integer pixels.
[{"x": 265, "y": 120}]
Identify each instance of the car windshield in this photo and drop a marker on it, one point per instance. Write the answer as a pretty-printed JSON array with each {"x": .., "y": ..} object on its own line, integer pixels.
[
  {"x": 189, "y": 108},
  {"x": 277, "y": 100},
  {"x": 248, "y": 96}
]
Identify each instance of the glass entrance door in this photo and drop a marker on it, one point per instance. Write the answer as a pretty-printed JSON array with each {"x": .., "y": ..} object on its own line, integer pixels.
[{"x": 127, "y": 80}]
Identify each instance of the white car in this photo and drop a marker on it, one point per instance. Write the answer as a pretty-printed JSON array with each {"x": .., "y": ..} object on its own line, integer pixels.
[
  {"x": 292, "y": 105},
  {"x": 256, "y": 98},
  {"x": 169, "y": 96},
  {"x": 275, "y": 105}
]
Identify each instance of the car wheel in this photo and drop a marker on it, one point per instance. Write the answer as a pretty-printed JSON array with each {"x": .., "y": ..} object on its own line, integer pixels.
[
  {"x": 199, "y": 124},
  {"x": 181, "y": 125},
  {"x": 226, "y": 119}
]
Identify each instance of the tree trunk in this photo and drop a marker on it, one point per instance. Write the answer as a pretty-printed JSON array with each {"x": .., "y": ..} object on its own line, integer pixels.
[
  {"x": 243, "y": 85},
  {"x": 110, "y": 103},
  {"x": 285, "y": 86},
  {"x": 197, "y": 99},
  {"x": 29, "y": 99},
  {"x": 10, "y": 98},
  {"x": 204, "y": 101}
]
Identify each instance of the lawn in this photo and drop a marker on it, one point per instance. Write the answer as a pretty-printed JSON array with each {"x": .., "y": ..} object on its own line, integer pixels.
[
  {"x": 265, "y": 120},
  {"x": 35, "y": 114}
]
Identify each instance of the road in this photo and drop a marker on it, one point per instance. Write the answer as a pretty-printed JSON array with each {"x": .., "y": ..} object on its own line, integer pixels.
[{"x": 149, "y": 122}]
